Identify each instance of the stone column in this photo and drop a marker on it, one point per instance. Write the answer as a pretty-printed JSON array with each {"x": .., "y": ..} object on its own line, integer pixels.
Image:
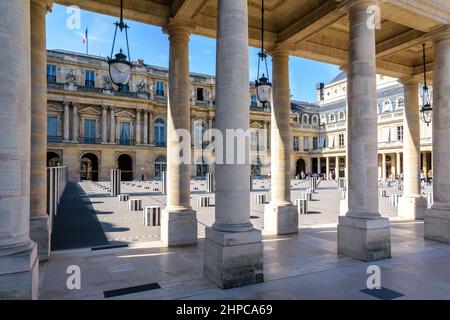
[
  {"x": 437, "y": 219},
  {"x": 425, "y": 165},
  {"x": 138, "y": 127},
  {"x": 398, "y": 163},
  {"x": 337, "y": 169},
  {"x": 362, "y": 233},
  {"x": 112, "y": 133},
  {"x": 19, "y": 266},
  {"x": 233, "y": 250},
  {"x": 412, "y": 205},
  {"x": 178, "y": 221},
  {"x": 104, "y": 124},
  {"x": 75, "y": 123},
  {"x": 280, "y": 216},
  {"x": 327, "y": 161},
  {"x": 39, "y": 223},
  {"x": 145, "y": 127},
  {"x": 319, "y": 168},
  {"x": 383, "y": 166},
  {"x": 66, "y": 122},
  {"x": 150, "y": 128}
]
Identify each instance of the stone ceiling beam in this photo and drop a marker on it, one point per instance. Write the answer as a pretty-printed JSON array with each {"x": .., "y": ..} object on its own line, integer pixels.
[{"x": 187, "y": 10}]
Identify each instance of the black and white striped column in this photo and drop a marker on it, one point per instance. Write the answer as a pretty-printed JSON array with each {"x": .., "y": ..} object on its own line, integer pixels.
[
  {"x": 210, "y": 182},
  {"x": 163, "y": 182},
  {"x": 115, "y": 182}
]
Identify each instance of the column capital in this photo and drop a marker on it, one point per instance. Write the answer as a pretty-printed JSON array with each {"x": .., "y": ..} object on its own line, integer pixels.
[
  {"x": 280, "y": 50},
  {"x": 178, "y": 28},
  {"x": 442, "y": 35},
  {"x": 349, "y": 5},
  {"x": 44, "y": 4}
]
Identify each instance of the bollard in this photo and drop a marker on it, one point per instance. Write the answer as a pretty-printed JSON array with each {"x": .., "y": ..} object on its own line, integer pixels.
[
  {"x": 152, "y": 216},
  {"x": 115, "y": 182},
  {"x": 203, "y": 201},
  {"x": 135, "y": 205},
  {"x": 261, "y": 199}
]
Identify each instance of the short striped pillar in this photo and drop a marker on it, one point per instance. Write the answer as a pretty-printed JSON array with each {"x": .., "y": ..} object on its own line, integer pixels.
[
  {"x": 115, "y": 182},
  {"x": 307, "y": 196},
  {"x": 302, "y": 206},
  {"x": 164, "y": 182},
  {"x": 393, "y": 199},
  {"x": 210, "y": 182},
  {"x": 152, "y": 216},
  {"x": 261, "y": 199},
  {"x": 342, "y": 183},
  {"x": 123, "y": 197},
  {"x": 430, "y": 199},
  {"x": 313, "y": 183},
  {"x": 203, "y": 201},
  {"x": 135, "y": 205},
  {"x": 251, "y": 183},
  {"x": 382, "y": 193}
]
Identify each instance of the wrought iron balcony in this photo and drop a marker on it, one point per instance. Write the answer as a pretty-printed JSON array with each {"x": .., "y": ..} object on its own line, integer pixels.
[
  {"x": 54, "y": 139},
  {"x": 160, "y": 144},
  {"x": 126, "y": 142},
  {"x": 89, "y": 140}
]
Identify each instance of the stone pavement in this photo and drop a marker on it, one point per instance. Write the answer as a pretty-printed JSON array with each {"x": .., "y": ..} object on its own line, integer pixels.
[{"x": 304, "y": 266}]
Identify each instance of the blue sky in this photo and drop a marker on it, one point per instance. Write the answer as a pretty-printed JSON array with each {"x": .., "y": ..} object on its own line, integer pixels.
[{"x": 149, "y": 43}]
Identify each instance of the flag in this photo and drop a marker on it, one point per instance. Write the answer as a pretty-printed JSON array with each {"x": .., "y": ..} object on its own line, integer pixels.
[{"x": 85, "y": 37}]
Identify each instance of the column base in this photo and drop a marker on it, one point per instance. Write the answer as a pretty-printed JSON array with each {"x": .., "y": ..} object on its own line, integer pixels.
[
  {"x": 437, "y": 225},
  {"x": 364, "y": 239},
  {"x": 233, "y": 259},
  {"x": 178, "y": 228},
  {"x": 40, "y": 233},
  {"x": 412, "y": 207},
  {"x": 280, "y": 218},
  {"x": 19, "y": 275}
]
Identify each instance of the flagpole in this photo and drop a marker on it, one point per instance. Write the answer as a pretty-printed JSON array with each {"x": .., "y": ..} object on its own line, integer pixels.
[{"x": 87, "y": 41}]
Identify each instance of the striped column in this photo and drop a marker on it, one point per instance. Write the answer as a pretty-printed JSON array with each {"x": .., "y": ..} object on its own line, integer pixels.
[
  {"x": 210, "y": 182},
  {"x": 164, "y": 182},
  {"x": 115, "y": 182}
]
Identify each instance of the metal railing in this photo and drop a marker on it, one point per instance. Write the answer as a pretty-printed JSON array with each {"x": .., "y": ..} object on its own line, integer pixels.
[
  {"x": 126, "y": 142},
  {"x": 54, "y": 139},
  {"x": 160, "y": 144},
  {"x": 89, "y": 140}
]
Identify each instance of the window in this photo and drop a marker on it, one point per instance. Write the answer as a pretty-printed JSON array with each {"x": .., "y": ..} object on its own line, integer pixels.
[
  {"x": 199, "y": 133},
  {"x": 315, "y": 143},
  {"x": 51, "y": 73},
  {"x": 253, "y": 100},
  {"x": 400, "y": 103},
  {"x": 125, "y": 133},
  {"x": 341, "y": 116},
  {"x": 296, "y": 144},
  {"x": 314, "y": 119},
  {"x": 160, "y": 166},
  {"x": 305, "y": 118},
  {"x": 400, "y": 133},
  {"x": 90, "y": 131},
  {"x": 52, "y": 129},
  {"x": 305, "y": 143},
  {"x": 126, "y": 88},
  {"x": 200, "y": 96},
  {"x": 332, "y": 117},
  {"x": 341, "y": 140},
  {"x": 160, "y": 133},
  {"x": 160, "y": 88},
  {"x": 387, "y": 106},
  {"x": 89, "y": 78}
]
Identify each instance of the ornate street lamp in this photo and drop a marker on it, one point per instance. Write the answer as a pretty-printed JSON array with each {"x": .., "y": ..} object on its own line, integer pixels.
[
  {"x": 426, "y": 95},
  {"x": 120, "y": 67},
  {"x": 263, "y": 85}
]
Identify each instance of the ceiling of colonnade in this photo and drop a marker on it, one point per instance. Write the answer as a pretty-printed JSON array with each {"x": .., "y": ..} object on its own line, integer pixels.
[{"x": 314, "y": 29}]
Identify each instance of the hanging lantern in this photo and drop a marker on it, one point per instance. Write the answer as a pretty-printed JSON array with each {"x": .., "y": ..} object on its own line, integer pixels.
[
  {"x": 427, "y": 108},
  {"x": 263, "y": 85}
]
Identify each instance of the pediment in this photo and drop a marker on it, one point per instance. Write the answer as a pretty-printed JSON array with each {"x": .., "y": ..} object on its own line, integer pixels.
[
  {"x": 90, "y": 111},
  {"x": 53, "y": 108}
]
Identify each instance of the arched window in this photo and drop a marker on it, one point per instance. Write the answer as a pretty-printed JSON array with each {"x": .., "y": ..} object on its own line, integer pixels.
[
  {"x": 296, "y": 118},
  {"x": 305, "y": 118},
  {"x": 400, "y": 103},
  {"x": 323, "y": 119},
  {"x": 332, "y": 117},
  {"x": 341, "y": 115},
  {"x": 315, "y": 119},
  {"x": 387, "y": 106},
  {"x": 160, "y": 133}
]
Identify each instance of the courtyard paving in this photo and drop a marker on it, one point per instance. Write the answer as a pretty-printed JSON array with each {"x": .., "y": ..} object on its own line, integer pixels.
[{"x": 303, "y": 266}]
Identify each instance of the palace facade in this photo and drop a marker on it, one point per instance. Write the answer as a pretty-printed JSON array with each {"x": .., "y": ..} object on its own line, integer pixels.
[{"x": 93, "y": 128}]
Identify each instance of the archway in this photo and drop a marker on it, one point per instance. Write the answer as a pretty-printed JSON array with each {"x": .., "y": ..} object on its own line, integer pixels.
[
  {"x": 300, "y": 167},
  {"x": 53, "y": 160},
  {"x": 125, "y": 164},
  {"x": 89, "y": 167},
  {"x": 160, "y": 166}
]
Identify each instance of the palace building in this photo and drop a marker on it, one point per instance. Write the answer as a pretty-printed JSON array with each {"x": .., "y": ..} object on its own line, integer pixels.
[{"x": 93, "y": 128}]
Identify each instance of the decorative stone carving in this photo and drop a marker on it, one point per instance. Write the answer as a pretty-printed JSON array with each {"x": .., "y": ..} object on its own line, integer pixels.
[
  {"x": 107, "y": 83},
  {"x": 141, "y": 87},
  {"x": 71, "y": 78}
]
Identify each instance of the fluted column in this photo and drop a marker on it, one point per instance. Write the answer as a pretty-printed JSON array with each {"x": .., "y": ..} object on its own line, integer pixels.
[
  {"x": 104, "y": 124},
  {"x": 233, "y": 248},
  {"x": 66, "y": 121},
  {"x": 75, "y": 123},
  {"x": 411, "y": 205},
  {"x": 145, "y": 127},
  {"x": 150, "y": 128},
  {"x": 398, "y": 163},
  {"x": 337, "y": 170},
  {"x": 383, "y": 166},
  {"x": 112, "y": 133},
  {"x": 362, "y": 233},
  {"x": 280, "y": 216},
  {"x": 179, "y": 221},
  {"x": 138, "y": 126},
  {"x": 18, "y": 254},
  {"x": 327, "y": 161},
  {"x": 39, "y": 223},
  {"x": 437, "y": 220}
]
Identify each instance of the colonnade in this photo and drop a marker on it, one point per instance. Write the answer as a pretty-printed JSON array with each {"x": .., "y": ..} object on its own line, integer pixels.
[{"x": 233, "y": 250}]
